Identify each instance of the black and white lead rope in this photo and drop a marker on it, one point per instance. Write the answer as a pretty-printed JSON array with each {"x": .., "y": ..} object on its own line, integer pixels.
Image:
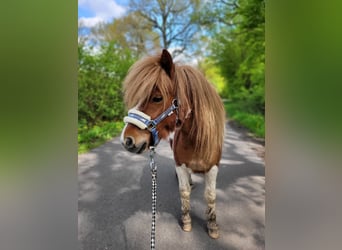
[{"x": 153, "y": 167}]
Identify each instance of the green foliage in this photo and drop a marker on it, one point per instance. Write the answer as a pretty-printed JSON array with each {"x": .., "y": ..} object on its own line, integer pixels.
[
  {"x": 213, "y": 73},
  {"x": 253, "y": 122},
  {"x": 131, "y": 31},
  {"x": 100, "y": 76},
  {"x": 237, "y": 30},
  {"x": 100, "y": 98},
  {"x": 238, "y": 48},
  {"x": 91, "y": 137}
]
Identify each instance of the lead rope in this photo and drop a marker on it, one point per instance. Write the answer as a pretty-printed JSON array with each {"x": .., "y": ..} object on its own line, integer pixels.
[{"x": 153, "y": 167}]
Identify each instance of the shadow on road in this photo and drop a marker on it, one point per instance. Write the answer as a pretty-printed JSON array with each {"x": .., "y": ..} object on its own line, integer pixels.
[{"x": 115, "y": 200}]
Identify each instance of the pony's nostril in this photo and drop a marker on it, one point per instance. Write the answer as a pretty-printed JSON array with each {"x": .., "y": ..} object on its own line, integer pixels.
[{"x": 129, "y": 142}]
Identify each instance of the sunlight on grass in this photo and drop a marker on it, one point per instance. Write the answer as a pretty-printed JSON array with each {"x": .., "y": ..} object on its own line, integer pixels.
[
  {"x": 255, "y": 123},
  {"x": 92, "y": 137}
]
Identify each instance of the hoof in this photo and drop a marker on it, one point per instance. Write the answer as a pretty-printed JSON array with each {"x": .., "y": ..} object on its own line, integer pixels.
[
  {"x": 187, "y": 227},
  {"x": 213, "y": 231},
  {"x": 186, "y": 222}
]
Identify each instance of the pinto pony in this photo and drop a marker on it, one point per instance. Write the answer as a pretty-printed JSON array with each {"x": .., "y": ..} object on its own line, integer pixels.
[{"x": 168, "y": 101}]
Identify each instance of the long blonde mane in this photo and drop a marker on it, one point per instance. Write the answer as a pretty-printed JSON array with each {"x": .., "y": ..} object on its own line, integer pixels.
[
  {"x": 195, "y": 93},
  {"x": 195, "y": 96},
  {"x": 142, "y": 78}
]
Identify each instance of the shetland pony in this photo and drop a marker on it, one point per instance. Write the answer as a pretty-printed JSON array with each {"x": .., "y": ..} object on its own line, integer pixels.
[{"x": 176, "y": 103}]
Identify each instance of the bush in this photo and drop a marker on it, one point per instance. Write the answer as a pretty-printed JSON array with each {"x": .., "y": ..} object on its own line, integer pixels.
[
  {"x": 100, "y": 98},
  {"x": 100, "y": 76},
  {"x": 91, "y": 137},
  {"x": 255, "y": 123}
]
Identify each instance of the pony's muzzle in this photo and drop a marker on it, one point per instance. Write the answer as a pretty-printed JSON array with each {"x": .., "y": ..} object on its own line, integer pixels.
[{"x": 129, "y": 145}]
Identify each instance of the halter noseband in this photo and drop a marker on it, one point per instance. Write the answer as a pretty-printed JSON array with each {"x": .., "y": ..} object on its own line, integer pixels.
[{"x": 143, "y": 121}]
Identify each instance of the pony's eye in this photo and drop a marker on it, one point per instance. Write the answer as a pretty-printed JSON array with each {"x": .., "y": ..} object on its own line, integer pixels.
[{"x": 157, "y": 99}]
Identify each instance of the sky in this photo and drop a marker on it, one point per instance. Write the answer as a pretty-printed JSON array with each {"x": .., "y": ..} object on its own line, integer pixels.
[{"x": 91, "y": 12}]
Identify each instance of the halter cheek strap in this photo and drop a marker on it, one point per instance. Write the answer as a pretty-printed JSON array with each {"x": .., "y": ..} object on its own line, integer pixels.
[{"x": 143, "y": 121}]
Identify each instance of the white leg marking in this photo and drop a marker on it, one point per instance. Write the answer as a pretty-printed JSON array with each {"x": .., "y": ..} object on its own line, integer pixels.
[
  {"x": 183, "y": 178},
  {"x": 210, "y": 184},
  {"x": 210, "y": 196},
  {"x": 184, "y": 191}
]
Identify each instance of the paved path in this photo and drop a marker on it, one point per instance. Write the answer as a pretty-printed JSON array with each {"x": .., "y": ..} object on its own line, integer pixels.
[{"x": 114, "y": 207}]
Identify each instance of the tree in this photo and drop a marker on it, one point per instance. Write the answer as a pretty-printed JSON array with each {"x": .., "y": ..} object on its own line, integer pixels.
[
  {"x": 172, "y": 20},
  {"x": 238, "y": 48},
  {"x": 129, "y": 32}
]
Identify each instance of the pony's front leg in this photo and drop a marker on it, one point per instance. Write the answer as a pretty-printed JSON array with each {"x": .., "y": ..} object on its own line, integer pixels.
[
  {"x": 184, "y": 191},
  {"x": 210, "y": 196}
]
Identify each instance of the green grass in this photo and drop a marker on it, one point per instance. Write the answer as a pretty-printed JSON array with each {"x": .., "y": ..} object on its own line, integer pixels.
[
  {"x": 92, "y": 137},
  {"x": 255, "y": 123}
]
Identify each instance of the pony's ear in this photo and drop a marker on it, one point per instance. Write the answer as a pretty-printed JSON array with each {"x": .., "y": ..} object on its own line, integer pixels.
[{"x": 166, "y": 63}]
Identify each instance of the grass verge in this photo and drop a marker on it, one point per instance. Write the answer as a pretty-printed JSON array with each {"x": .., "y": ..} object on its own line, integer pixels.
[
  {"x": 92, "y": 137},
  {"x": 255, "y": 123}
]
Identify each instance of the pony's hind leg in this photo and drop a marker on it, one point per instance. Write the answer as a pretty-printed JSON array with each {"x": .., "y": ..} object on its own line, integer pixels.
[
  {"x": 210, "y": 196},
  {"x": 184, "y": 191}
]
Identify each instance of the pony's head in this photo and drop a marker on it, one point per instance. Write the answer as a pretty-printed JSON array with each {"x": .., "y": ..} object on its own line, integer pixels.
[{"x": 150, "y": 96}]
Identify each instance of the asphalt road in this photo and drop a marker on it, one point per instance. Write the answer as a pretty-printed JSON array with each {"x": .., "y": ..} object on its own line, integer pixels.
[{"x": 114, "y": 206}]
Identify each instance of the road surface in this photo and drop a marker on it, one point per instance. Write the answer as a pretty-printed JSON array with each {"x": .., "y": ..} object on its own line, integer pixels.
[{"x": 114, "y": 206}]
